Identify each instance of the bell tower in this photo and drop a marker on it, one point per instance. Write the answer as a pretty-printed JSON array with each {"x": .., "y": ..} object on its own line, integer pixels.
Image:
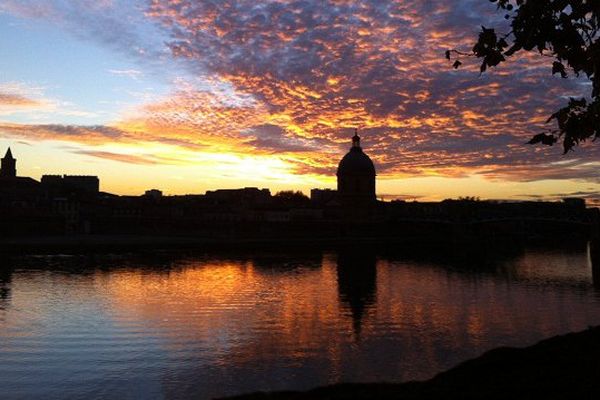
[{"x": 8, "y": 167}]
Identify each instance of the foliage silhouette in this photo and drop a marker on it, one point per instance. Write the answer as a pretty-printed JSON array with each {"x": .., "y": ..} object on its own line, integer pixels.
[
  {"x": 567, "y": 31},
  {"x": 291, "y": 198}
]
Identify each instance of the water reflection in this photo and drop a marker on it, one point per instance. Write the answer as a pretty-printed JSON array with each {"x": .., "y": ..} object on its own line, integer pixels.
[
  {"x": 180, "y": 326},
  {"x": 5, "y": 283},
  {"x": 357, "y": 283},
  {"x": 594, "y": 251}
]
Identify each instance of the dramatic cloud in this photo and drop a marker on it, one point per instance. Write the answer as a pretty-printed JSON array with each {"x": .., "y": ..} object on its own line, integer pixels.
[
  {"x": 291, "y": 78},
  {"x": 82, "y": 134},
  {"x": 144, "y": 159},
  {"x": 316, "y": 67},
  {"x": 31, "y": 101},
  {"x": 17, "y": 97}
]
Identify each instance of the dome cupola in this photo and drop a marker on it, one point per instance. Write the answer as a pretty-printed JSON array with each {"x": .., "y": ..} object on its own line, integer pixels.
[
  {"x": 356, "y": 162},
  {"x": 356, "y": 174}
]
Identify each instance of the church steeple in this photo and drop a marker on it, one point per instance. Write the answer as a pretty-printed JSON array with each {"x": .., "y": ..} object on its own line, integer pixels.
[{"x": 8, "y": 166}]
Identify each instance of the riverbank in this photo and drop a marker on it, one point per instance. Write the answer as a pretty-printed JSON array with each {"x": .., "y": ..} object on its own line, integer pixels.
[
  {"x": 81, "y": 244},
  {"x": 562, "y": 367},
  {"x": 129, "y": 243}
]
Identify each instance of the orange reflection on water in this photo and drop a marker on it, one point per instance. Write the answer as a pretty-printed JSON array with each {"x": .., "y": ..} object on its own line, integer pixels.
[
  {"x": 281, "y": 321},
  {"x": 238, "y": 310}
]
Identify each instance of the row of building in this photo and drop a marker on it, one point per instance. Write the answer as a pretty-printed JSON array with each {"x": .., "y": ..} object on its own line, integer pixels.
[{"x": 67, "y": 204}]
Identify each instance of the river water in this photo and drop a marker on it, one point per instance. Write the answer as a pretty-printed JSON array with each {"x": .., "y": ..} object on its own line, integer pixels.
[{"x": 178, "y": 326}]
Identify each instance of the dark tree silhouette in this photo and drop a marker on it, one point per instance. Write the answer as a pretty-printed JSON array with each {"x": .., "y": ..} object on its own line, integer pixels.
[
  {"x": 291, "y": 198},
  {"x": 567, "y": 31}
]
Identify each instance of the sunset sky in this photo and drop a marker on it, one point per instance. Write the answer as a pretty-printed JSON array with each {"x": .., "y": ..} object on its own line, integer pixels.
[{"x": 188, "y": 96}]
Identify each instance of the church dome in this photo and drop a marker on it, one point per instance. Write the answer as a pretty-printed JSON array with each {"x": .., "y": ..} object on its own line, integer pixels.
[
  {"x": 356, "y": 179},
  {"x": 356, "y": 162}
]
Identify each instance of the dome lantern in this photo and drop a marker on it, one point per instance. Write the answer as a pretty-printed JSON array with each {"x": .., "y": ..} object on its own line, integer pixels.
[{"x": 356, "y": 139}]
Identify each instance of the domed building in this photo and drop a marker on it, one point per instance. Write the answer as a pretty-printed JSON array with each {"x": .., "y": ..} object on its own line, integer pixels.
[{"x": 356, "y": 176}]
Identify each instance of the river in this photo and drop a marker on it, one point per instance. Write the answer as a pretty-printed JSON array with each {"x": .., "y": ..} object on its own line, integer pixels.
[{"x": 166, "y": 325}]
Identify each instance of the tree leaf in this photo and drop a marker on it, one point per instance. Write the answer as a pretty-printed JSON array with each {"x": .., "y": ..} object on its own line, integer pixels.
[
  {"x": 559, "y": 68},
  {"x": 543, "y": 138}
]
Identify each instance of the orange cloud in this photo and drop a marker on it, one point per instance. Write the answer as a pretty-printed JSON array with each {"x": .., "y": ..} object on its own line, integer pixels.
[
  {"x": 290, "y": 80},
  {"x": 17, "y": 100}
]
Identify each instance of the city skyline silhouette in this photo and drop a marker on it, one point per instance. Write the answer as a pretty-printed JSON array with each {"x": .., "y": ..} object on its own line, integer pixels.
[
  {"x": 299, "y": 199},
  {"x": 149, "y": 104}
]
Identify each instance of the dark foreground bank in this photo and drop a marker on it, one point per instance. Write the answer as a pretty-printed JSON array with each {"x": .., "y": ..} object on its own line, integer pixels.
[{"x": 562, "y": 367}]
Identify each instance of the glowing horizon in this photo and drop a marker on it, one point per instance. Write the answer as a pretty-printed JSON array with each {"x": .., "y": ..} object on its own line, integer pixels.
[{"x": 187, "y": 96}]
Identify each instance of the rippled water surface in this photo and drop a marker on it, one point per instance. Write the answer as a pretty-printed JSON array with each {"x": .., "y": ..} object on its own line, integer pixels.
[{"x": 181, "y": 326}]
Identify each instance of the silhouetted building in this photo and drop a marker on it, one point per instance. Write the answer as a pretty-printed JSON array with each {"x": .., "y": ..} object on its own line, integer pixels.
[
  {"x": 575, "y": 203},
  {"x": 356, "y": 177},
  {"x": 8, "y": 168},
  {"x": 322, "y": 196},
  {"x": 73, "y": 205},
  {"x": 16, "y": 190},
  {"x": 71, "y": 184},
  {"x": 246, "y": 196},
  {"x": 356, "y": 181}
]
